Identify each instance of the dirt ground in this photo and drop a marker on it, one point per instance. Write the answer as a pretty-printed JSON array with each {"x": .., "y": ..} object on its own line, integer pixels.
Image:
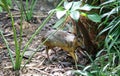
[{"x": 62, "y": 64}]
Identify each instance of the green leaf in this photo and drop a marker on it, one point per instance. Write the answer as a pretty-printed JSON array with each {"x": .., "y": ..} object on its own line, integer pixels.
[
  {"x": 60, "y": 8},
  {"x": 87, "y": 7},
  {"x": 9, "y": 2},
  {"x": 1, "y": 9},
  {"x": 60, "y": 14},
  {"x": 51, "y": 11},
  {"x": 111, "y": 26},
  {"x": 113, "y": 11},
  {"x": 94, "y": 17},
  {"x": 76, "y": 5},
  {"x": 107, "y": 2},
  {"x": 75, "y": 15},
  {"x": 68, "y": 5},
  {"x": 59, "y": 22},
  {"x": 4, "y": 5},
  {"x": 83, "y": 14}
]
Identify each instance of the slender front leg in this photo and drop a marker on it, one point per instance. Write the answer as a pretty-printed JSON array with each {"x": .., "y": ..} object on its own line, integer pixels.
[
  {"x": 47, "y": 49},
  {"x": 74, "y": 56},
  {"x": 55, "y": 52}
]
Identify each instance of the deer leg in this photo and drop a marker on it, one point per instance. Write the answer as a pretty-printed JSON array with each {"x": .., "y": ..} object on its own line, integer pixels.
[
  {"x": 74, "y": 56},
  {"x": 47, "y": 49},
  {"x": 55, "y": 52}
]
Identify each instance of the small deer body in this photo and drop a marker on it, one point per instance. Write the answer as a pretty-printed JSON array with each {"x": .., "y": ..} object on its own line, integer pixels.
[{"x": 62, "y": 39}]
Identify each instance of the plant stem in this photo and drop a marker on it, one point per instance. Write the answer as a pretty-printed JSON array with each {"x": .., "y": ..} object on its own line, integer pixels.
[
  {"x": 17, "y": 50},
  {"x": 9, "y": 50}
]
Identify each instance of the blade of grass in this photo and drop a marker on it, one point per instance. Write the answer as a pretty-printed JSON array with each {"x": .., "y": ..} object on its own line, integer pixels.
[
  {"x": 17, "y": 50},
  {"x": 30, "y": 13},
  {"x": 16, "y": 66},
  {"x": 9, "y": 50}
]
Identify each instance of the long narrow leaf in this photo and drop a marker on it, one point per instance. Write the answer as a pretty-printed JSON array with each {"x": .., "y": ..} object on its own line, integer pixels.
[
  {"x": 107, "y": 2},
  {"x": 111, "y": 25},
  {"x": 59, "y": 22},
  {"x": 9, "y": 50}
]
